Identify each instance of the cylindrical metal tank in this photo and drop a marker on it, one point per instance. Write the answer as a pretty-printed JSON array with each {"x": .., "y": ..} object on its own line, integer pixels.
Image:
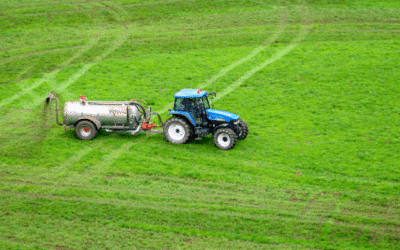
[{"x": 106, "y": 113}]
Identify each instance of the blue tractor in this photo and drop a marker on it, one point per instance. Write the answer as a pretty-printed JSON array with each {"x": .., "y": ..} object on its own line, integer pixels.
[{"x": 192, "y": 116}]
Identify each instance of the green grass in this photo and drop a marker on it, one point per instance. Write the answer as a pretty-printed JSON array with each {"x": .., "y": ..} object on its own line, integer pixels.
[{"x": 316, "y": 81}]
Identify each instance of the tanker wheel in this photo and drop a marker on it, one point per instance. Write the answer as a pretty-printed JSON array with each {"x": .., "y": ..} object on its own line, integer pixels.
[
  {"x": 85, "y": 130},
  {"x": 225, "y": 138},
  {"x": 244, "y": 130},
  {"x": 177, "y": 130}
]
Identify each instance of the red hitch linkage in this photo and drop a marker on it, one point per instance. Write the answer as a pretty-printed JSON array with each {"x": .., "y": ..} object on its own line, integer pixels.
[{"x": 148, "y": 125}]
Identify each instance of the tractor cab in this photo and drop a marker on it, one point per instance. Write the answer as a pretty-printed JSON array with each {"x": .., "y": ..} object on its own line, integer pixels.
[{"x": 194, "y": 103}]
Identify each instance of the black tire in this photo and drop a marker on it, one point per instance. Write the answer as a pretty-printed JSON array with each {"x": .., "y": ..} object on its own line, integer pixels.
[
  {"x": 85, "y": 130},
  {"x": 225, "y": 138},
  {"x": 244, "y": 130},
  {"x": 177, "y": 130}
]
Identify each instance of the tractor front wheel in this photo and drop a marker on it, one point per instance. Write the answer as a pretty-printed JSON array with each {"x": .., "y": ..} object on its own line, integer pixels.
[
  {"x": 176, "y": 130},
  {"x": 244, "y": 130},
  {"x": 225, "y": 138},
  {"x": 85, "y": 130}
]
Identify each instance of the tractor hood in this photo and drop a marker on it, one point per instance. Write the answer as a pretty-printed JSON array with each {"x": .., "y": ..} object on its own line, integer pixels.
[{"x": 214, "y": 114}]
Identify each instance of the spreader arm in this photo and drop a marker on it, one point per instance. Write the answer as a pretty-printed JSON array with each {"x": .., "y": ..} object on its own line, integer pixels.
[{"x": 49, "y": 98}]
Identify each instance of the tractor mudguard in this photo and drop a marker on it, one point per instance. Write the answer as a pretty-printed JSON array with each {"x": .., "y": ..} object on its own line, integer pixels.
[
  {"x": 185, "y": 114},
  {"x": 222, "y": 126}
]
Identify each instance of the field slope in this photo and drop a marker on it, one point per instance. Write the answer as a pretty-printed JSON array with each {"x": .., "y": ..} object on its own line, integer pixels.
[{"x": 317, "y": 81}]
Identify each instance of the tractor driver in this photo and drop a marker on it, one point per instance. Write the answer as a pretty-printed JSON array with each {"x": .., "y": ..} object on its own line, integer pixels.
[{"x": 188, "y": 104}]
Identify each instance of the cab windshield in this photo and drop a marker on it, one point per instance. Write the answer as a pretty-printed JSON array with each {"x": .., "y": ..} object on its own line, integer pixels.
[{"x": 205, "y": 101}]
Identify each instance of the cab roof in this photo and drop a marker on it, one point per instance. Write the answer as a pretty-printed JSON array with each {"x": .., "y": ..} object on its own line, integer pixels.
[{"x": 190, "y": 93}]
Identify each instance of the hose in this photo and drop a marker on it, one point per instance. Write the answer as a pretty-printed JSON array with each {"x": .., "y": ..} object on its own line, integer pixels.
[
  {"x": 141, "y": 107},
  {"x": 139, "y": 100}
]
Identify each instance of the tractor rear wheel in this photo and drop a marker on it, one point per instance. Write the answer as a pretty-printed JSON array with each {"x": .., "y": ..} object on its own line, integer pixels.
[
  {"x": 225, "y": 138},
  {"x": 244, "y": 130},
  {"x": 177, "y": 130},
  {"x": 85, "y": 130}
]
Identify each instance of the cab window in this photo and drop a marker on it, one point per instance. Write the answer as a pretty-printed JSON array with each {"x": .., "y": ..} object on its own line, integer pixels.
[
  {"x": 178, "y": 104},
  {"x": 206, "y": 104}
]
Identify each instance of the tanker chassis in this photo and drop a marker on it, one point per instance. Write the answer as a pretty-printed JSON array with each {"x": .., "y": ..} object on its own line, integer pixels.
[{"x": 191, "y": 117}]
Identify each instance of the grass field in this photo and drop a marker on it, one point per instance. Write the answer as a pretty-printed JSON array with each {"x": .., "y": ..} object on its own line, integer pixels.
[{"x": 317, "y": 81}]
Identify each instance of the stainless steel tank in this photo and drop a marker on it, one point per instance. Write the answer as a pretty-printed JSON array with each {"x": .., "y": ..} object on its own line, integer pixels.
[{"x": 102, "y": 113}]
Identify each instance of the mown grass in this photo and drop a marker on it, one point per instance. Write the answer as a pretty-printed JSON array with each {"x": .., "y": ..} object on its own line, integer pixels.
[{"x": 319, "y": 169}]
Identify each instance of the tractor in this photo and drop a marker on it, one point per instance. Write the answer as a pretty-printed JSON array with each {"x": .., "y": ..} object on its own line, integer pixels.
[{"x": 191, "y": 117}]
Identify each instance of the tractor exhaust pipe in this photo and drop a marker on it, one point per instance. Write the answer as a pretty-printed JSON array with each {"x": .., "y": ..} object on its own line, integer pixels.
[{"x": 49, "y": 98}]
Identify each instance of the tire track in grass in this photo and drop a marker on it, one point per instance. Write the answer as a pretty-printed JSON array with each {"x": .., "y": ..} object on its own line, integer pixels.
[
  {"x": 116, "y": 44},
  {"x": 110, "y": 158},
  {"x": 50, "y": 76},
  {"x": 75, "y": 158},
  {"x": 51, "y": 224},
  {"x": 256, "y": 51},
  {"x": 166, "y": 202},
  {"x": 61, "y": 88},
  {"x": 254, "y": 205},
  {"x": 115, "y": 10},
  {"x": 106, "y": 160},
  {"x": 281, "y": 53},
  {"x": 159, "y": 204},
  {"x": 34, "y": 53},
  {"x": 307, "y": 19}
]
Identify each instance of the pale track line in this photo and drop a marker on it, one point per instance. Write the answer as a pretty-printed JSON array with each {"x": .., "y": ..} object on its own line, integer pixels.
[
  {"x": 34, "y": 53},
  {"x": 98, "y": 2},
  {"x": 61, "y": 88},
  {"x": 172, "y": 204},
  {"x": 72, "y": 79},
  {"x": 256, "y": 51},
  {"x": 118, "y": 42},
  {"x": 49, "y": 77},
  {"x": 281, "y": 53},
  {"x": 237, "y": 63},
  {"x": 110, "y": 158},
  {"x": 115, "y": 44},
  {"x": 74, "y": 159},
  {"x": 116, "y": 11}
]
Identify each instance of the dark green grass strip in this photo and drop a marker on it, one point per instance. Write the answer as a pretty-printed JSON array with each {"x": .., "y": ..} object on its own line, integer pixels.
[
  {"x": 263, "y": 230},
  {"x": 77, "y": 234},
  {"x": 259, "y": 207},
  {"x": 6, "y": 245}
]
